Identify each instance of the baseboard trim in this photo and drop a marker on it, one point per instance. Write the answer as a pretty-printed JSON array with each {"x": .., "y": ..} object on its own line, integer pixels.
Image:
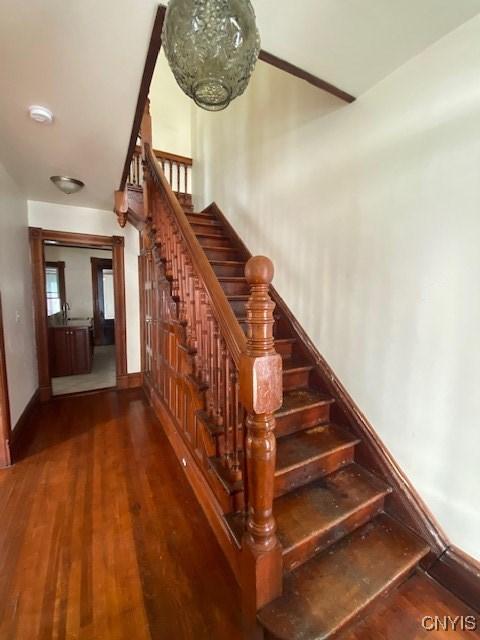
[
  {"x": 130, "y": 380},
  {"x": 197, "y": 481},
  {"x": 20, "y": 432},
  {"x": 460, "y": 574}
]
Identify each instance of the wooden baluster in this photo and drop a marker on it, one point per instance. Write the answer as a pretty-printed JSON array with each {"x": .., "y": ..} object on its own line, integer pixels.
[
  {"x": 210, "y": 381},
  {"x": 201, "y": 356},
  {"x": 218, "y": 378},
  {"x": 225, "y": 389},
  {"x": 261, "y": 394},
  {"x": 235, "y": 461}
]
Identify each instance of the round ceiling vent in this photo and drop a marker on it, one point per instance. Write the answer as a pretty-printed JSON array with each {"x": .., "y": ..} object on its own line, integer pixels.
[{"x": 41, "y": 114}]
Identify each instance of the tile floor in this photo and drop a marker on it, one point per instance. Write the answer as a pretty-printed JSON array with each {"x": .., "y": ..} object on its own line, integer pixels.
[{"x": 102, "y": 375}]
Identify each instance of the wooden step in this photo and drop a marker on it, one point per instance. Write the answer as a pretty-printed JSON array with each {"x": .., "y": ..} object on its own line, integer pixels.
[
  {"x": 204, "y": 218},
  {"x": 318, "y": 514},
  {"x": 222, "y": 253},
  {"x": 234, "y": 286},
  {"x": 213, "y": 240},
  {"x": 285, "y": 346},
  {"x": 334, "y": 587},
  {"x": 295, "y": 374},
  {"x": 213, "y": 228},
  {"x": 302, "y": 409},
  {"x": 228, "y": 267},
  {"x": 308, "y": 455},
  {"x": 238, "y": 303}
]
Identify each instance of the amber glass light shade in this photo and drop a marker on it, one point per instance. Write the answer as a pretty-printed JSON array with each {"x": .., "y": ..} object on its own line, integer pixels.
[{"x": 212, "y": 47}]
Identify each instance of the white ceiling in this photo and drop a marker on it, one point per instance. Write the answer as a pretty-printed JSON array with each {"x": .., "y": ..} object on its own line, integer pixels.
[
  {"x": 84, "y": 60},
  {"x": 353, "y": 44}
]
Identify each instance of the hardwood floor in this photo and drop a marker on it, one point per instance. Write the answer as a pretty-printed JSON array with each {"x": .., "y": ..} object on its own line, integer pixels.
[{"x": 101, "y": 536}]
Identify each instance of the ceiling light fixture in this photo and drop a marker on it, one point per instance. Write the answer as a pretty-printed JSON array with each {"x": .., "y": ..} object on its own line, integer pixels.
[
  {"x": 41, "y": 114},
  {"x": 67, "y": 185},
  {"x": 212, "y": 47}
]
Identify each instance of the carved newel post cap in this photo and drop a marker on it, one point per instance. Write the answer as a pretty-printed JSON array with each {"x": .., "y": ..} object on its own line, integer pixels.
[{"x": 259, "y": 270}]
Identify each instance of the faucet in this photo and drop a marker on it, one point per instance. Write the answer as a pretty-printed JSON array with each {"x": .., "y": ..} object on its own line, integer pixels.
[{"x": 65, "y": 310}]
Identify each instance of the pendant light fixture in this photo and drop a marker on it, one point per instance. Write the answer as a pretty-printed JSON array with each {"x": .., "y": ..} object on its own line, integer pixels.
[{"x": 212, "y": 47}]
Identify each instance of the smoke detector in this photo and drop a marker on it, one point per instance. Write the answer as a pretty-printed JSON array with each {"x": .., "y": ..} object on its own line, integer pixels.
[{"x": 41, "y": 114}]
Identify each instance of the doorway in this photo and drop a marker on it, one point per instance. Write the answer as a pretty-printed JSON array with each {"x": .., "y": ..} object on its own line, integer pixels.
[{"x": 79, "y": 287}]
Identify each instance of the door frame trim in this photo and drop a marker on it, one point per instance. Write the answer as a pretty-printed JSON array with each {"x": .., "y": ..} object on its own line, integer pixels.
[{"x": 37, "y": 237}]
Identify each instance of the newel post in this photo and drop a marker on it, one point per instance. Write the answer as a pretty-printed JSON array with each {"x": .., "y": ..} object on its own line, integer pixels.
[{"x": 261, "y": 395}]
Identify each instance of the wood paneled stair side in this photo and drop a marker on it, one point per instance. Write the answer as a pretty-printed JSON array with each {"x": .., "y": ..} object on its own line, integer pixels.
[{"x": 329, "y": 509}]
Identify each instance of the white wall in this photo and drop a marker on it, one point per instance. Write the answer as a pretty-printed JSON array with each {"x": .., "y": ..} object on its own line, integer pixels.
[
  {"x": 16, "y": 290},
  {"x": 171, "y": 112},
  {"x": 94, "y": 221},
  {"x": 78, "y": 276},
  {"x": 372, "y": 216}
]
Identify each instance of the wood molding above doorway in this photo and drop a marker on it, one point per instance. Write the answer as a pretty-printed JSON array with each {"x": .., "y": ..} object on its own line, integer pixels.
[{"x": 116, "y": 243}]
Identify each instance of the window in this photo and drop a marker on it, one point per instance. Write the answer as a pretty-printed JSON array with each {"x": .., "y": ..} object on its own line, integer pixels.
[
  {"x": 108, "y": 298},
  {"x": 55, "y": 286}
]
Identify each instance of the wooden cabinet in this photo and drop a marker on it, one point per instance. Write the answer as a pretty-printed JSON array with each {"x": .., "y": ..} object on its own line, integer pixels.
[{"x": 71, "y": 350}]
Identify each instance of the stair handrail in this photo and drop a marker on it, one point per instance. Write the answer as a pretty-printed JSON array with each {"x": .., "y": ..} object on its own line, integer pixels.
[
  {"x": 243, "y": 379},
  {"x": 224, "y": 315}
]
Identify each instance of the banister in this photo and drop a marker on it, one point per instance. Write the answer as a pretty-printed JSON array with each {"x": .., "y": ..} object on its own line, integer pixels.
[
  {"x": 166, "y": 155},
  {"x": 224, "y": 315}
]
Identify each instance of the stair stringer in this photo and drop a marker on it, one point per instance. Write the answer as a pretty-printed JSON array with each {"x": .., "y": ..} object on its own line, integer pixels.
[{"x": 404, "y": 503}]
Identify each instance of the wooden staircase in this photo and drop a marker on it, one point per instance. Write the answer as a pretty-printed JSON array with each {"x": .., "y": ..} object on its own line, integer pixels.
[
  {"x": 340, "y": 549},
  {"x": 314, "y": 516}
]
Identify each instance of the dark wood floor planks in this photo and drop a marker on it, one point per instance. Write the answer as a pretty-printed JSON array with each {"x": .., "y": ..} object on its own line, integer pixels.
[{"x": 101, "y": 536}]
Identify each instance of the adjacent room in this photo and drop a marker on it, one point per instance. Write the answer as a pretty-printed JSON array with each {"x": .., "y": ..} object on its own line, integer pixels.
[{"x": 81, "y": 318}]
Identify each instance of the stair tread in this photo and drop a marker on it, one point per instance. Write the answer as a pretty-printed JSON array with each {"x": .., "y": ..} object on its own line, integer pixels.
[
  {"x": 317, "y": 507},
  {"x": 297, "y": 365},
  {"x": 327, "y": 592},
  {"x": 231, "y": 249},
  {"x": 312, "y": 444},
  {"x": 205, "y": 234},
  {"x": 227, "y": 263},
  {"x": 203, "y": 221},
  {"x": 297, "y": 399}
]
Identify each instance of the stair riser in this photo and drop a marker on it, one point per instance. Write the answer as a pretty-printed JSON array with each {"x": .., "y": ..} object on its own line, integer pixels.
[
  {"x": 214, "y": 242},
  {"x": 221, "y": 254},
  {"x": 211, "y": 229},
  {"x": 302, "y": 419},
  {"x": 235, "y": 287},
  {"x": 310, "y": 471},
  {"x": 285, "y": 349},
  {"x": 238, "y": 307},
  {"x": 293, "y": 558},
  {"x": 237, "y": 271},
  {"x": 201, "y": 217},
  {"x": 295, "y": 379}
]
